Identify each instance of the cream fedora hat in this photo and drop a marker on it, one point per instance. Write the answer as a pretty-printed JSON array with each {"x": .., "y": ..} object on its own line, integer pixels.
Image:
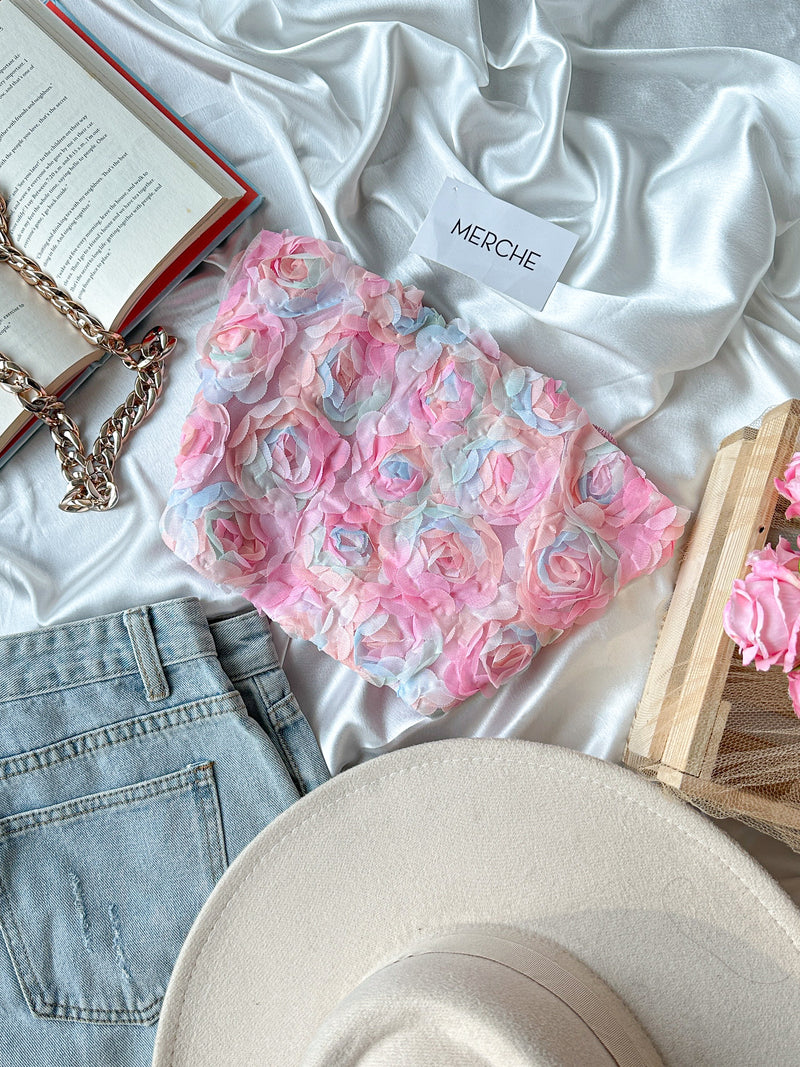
[{"x": 488, "y": 902}]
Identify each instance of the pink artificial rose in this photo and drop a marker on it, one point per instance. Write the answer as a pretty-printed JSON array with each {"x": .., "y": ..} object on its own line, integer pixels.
[
  {"x": 789, "y": 486},
  {"x": 514, "y": 482},
  {"x": 606, "y": 493},
  {"x": 498, "y": 467},
  {"x": 762, "y": 614},
  {"x": 387, "y": 466},
  {"x": 388, "y": 303},
  {"x": 392, "y": 639},
  {"x": 464, "y": 672},
  {"x": 483, "y": 655},
  {"x": 247, "y": 371},
  {"x": 644, "y": 545},
  {"x": 355, "y": 373},
  {"x": 539, "y": 401},
  {"x": 231, "y": 339},
  {"x": 238, "y": 319},
  {"x": 290, "y": 268},
  {"x": 335, "y": 547},
  {"x": 239, "y": 547},
  {"x": 794, "y": 691}
]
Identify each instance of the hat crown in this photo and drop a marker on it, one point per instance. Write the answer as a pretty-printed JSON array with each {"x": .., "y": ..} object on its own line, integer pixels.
[{"x": 479, "y": 1000}]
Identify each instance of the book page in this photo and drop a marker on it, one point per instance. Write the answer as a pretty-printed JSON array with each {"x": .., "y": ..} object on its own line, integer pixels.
[
  {"x": 93, "y": 195},
  {"x": 35, "y": 335}
]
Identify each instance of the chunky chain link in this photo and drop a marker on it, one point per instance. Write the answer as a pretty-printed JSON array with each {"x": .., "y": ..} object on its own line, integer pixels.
[{"x": 90, "y": 475}]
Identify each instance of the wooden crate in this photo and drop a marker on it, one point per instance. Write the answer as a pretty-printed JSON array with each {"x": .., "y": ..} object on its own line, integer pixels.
[{"x": 721, "y": 735}]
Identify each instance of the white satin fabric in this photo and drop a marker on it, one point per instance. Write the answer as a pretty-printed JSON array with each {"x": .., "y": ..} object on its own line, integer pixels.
[{"x": 665, "y": 133}]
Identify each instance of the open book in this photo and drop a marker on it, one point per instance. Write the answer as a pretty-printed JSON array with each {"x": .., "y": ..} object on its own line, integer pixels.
[{"x": 107, "y": 190}]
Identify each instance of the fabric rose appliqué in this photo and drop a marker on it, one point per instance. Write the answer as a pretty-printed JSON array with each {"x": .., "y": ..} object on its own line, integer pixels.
[
  {"x": 395, "y": 488},
  {"x": 569, "y": 573}
]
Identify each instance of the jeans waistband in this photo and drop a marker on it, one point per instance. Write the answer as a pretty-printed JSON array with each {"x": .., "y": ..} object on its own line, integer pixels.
[{"x": 142, "y": 639}]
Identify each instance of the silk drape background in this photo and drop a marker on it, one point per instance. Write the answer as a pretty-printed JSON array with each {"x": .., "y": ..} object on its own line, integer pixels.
[{"x": 664, "y": 133}]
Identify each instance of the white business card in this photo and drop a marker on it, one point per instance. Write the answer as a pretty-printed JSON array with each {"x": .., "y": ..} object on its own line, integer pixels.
[{"x": 503, "y": 246}]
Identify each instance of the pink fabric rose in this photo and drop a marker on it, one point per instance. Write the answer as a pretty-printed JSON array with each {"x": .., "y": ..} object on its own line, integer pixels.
[
  {"x": 762, "y": 614},
  {"x": 505, "y": 655},
  {"x": 608, "y": 494},
  {"x": 503, "y": 475},
  {"x": 484, "y": 655},
  {"x": 391, "y": 304},
  {"x": 432, "y": 552},
  {"x": 443, "y": 399},
  {"x": 386, "y": 466},
  {"x": 290, "y": 264},
  {"x": 339, "y": 544},
  {"x": 355, "y": 375},
  {"x": 203, "y": 440},
  {"x": 569, "y": 574},
  {"x": 392, "y": 486},
  {"x": 290, "y": 448},
  {"x": 239, "y": 545},
  {"x": 789, "y": 486}
]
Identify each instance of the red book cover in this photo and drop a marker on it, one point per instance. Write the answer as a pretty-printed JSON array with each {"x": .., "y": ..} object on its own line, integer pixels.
[{"x": 193, "y": 254}]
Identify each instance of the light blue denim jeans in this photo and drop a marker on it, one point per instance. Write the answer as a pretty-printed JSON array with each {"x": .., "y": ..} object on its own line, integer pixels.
[{"x": 139, "y": 753}]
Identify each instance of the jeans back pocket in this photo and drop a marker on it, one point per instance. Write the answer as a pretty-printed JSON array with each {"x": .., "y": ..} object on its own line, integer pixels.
[{"x": 98, "y": 894}]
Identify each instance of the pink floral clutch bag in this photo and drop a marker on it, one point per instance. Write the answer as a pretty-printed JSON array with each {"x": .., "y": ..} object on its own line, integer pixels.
[{"x": 395, "y": 488}]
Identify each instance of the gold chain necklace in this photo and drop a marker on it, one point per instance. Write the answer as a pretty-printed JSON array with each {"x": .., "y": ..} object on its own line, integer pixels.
[{"x": 89, "y": 475}]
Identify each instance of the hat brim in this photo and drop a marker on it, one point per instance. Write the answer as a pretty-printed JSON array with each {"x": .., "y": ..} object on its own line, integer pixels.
[{"x": 689, "y": 931}]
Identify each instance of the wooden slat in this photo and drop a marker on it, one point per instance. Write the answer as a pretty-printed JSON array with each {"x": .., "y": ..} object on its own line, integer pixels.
[
  {"x": 715, "y": 739},
  {"x": 701, "y": 710},
  {"x": 653, "y": 714},
  {"x": 755, "y": 497}
]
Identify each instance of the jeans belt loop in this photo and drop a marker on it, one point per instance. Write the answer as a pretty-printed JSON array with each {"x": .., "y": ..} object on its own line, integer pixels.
[{"x": 143, "y": 642}]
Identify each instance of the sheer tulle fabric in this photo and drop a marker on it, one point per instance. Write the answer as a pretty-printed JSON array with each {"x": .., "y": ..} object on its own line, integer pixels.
[{"x": 394, "y": 488}]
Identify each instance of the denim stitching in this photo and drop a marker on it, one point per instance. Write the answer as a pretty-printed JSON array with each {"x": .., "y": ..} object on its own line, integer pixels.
[
  {"x": 201, "y": 775},
  {"x": 70, "y": 1013},
  {"x": 116, "y": 673},
  {"x": 75, "y": 809},
  {"x": 280, "y": 706},
  {"x": 59, "y": 688},
  {"x": 207, "y": 800},
  {"x": 21, "y": 961},
  {"x": 246, "y": 675},
  {"x": 278, "y": 727},
  {"x": 138, "y": 652},
  {"x": 93, "y": 740},
  {"x": 275, "y": 707},
  {"x": 146, "y": 654}
]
